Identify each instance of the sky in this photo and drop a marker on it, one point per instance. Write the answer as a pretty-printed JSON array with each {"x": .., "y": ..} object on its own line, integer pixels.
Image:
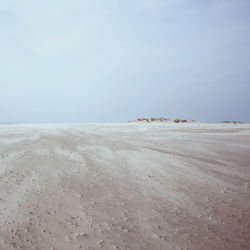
[{"x": 114, "y": 60}]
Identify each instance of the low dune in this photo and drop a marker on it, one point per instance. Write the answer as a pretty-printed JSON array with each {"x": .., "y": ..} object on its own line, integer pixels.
[{"x": 125, "y": 186}]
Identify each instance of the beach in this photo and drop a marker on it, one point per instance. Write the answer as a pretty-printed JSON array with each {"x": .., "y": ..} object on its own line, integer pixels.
[{"x": 131, "y": 186}]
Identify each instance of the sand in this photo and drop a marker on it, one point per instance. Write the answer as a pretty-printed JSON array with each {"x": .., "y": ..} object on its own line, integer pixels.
[{"x": 125, "y": 186}]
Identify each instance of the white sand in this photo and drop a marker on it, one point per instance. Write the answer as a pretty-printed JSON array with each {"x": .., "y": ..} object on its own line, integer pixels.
[{"x": 125, "y": 186}]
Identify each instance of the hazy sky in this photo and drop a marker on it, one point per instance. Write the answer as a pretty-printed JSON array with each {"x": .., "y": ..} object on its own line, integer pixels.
[{"x": 116, "y": 60}]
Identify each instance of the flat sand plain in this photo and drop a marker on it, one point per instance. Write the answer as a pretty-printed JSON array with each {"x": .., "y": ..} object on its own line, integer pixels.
[{"x": 125, "y": 186}]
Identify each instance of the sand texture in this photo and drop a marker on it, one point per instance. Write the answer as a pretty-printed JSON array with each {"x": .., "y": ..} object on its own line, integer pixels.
[{"x": 125, "y": 186}]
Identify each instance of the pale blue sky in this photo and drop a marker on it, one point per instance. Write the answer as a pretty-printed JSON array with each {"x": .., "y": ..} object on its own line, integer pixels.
[{"x": 114, "y": 60}]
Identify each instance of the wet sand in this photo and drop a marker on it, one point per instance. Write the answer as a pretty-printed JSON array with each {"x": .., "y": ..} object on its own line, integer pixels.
[{"x": 125, "y": 186}]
